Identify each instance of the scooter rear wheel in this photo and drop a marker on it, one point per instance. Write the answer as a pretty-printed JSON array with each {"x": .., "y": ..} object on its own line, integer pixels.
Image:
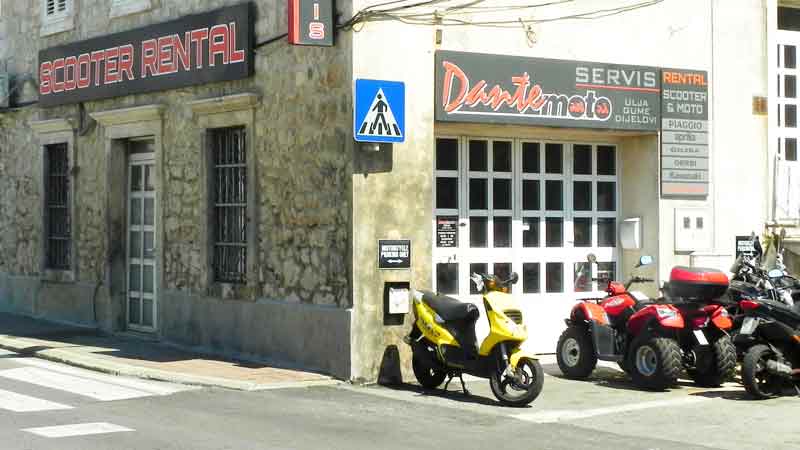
[
  {"x": 522, "y": 392},
  {"x": 427, "y": 376},
  {"x": 756, "y": 378}
]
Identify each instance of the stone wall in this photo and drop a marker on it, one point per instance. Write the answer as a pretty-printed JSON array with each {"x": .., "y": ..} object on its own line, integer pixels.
[{"x": 301, "y": 145}]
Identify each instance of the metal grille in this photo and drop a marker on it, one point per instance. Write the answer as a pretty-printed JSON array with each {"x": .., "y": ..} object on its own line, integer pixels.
[
  {"x": 57, "y": 218},
  {"x": 54, "y": 6},
  {"x": 514, "y": 315},
  {"x": 229, "y": 187}
]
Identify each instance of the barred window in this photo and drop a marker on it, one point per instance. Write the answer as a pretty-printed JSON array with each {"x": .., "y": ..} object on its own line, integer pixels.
[
  {"x": 57, "y": 210},
  {"x": 56, "y": 7},
  {"x": 229, "y": 196}
]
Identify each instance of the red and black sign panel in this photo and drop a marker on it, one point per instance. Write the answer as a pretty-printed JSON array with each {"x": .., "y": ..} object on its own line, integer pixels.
[
  {"x": 197, "y": 49},
  {"x": 473, "y": 87},
  {"x": 311, "y": 22}
]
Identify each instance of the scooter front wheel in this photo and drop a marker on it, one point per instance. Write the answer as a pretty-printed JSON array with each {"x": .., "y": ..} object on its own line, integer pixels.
[
  {"x": 427, "y": 376},
  {"x": 522, "y": 391}
]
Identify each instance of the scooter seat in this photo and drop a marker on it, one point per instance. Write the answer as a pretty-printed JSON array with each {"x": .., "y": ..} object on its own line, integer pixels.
[{"x": 449, "y": 308}]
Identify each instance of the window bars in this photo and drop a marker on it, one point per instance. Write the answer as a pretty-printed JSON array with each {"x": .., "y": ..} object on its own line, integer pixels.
[
  {"x": 229, "y": 196},
  {"x": 57, "y": 210}
]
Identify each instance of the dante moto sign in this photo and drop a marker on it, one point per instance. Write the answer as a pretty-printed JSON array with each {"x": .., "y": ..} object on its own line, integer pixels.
[
  {"x": 197, "y": 49},
  {"x": 484, "y": 88}
]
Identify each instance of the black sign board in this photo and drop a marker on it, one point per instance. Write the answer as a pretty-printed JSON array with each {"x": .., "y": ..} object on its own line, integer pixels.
[
  {"x": 394, "y": 254},
  {"x": 311, "y": 22},
  {"x": 197, "y": 49},
  {"x": 447, "y": 231},
  {"x": 473, "y": 87},
  {"x": 745, "y": 245},
  {"x": 684, "y": 139}
]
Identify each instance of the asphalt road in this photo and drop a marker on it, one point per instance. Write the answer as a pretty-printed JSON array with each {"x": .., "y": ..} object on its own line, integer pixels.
[{"x": 50, "y": 406}]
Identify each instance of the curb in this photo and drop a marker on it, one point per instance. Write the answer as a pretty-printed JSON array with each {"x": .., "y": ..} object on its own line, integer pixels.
[{"x": 22, "y": 347}]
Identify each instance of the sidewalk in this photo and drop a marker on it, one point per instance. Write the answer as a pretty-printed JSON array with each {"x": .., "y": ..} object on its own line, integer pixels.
[{"x": 130, "y": 356}]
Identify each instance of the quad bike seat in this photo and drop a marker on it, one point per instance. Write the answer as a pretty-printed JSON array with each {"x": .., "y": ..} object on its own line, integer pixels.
[{"x": 451, "y": 309}]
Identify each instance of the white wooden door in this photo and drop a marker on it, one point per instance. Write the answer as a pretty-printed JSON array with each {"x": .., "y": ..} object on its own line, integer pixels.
[
  {"x": 141, "y": 243},
  {"x": 532, "y": 207}
]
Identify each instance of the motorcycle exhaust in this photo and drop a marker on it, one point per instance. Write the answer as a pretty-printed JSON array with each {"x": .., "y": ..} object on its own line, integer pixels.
[{"x": 781, "y": 369}]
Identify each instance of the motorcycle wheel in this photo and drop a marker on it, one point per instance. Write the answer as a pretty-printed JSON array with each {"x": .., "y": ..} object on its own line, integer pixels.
[
  {"x": 512, "y": 393},
  {"x": 575, "y": 353},
  {"x": 655, "y": 362},
  {"x": 721, "y": 367},
  {"x": 757, "y": 381},
  {"x": 427, "y": 376}
]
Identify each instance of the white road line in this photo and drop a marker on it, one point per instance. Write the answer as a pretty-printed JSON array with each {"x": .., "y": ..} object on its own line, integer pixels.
[
  {"x": 74, "y": 384},
  {"x": 572, "y": 414},
  {"x": 153, "y": 387},
  {"x": 12, "y": 401},
  {"x": 79, "y": 429}
]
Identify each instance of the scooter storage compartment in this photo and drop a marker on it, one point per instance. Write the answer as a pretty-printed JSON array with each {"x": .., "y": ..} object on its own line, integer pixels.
[{"x": 697, "y": 282}]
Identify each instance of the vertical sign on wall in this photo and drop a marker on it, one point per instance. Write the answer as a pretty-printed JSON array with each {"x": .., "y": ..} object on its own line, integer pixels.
[
  {"x": 311, "y": 22},
  {"x": 684, "y": 136}
]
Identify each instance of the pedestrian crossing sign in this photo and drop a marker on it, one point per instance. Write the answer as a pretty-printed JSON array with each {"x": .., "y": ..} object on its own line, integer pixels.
[{"x": 379, "y": 113}]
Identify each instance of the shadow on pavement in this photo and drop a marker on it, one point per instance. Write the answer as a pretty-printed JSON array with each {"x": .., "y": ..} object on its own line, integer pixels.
[{"x": 450, "y": 394}]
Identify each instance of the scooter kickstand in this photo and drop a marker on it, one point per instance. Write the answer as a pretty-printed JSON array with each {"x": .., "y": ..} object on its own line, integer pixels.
[
  {"x": 449, "y": 379},
  {"x": 463, "y": 386}
]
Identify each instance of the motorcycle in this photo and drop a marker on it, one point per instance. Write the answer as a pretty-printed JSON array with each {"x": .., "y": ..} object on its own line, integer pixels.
[
  {"x": 772, "y": 331},
  {"x": 444, "y": 345},
  {"x": 650, "y": 339},
  {"x": 621, "y": 327}
]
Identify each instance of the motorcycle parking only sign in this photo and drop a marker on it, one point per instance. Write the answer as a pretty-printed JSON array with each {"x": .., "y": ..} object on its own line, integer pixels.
[
  {"x": 379, "y": 111},
  {"x": 394, "y": 254}
]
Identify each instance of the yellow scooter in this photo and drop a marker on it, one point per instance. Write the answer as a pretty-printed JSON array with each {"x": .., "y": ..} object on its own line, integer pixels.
[{"x": 444, "y": 345}]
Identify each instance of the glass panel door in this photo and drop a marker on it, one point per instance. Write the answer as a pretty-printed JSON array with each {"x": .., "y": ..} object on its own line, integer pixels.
[
  {"x": 532, "y": 207},
  {"x": 141, "y": 243}
]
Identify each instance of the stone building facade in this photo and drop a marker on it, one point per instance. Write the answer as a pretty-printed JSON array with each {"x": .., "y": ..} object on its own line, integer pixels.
[
  {"x": 295, "y": 108},
  {"x": 318, "y": 203}
]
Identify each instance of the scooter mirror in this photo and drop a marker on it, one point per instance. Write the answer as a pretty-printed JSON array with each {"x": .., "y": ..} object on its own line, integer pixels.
[
  {"x": 645, "y": 260},
  {"x": 591, "y": 258},
  {"x": 775, "y": 273},
  {"x": 514, "y": 278}
]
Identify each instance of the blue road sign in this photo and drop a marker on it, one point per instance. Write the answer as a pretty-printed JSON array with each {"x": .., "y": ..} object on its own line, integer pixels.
[{"x": 380, "y": 111}]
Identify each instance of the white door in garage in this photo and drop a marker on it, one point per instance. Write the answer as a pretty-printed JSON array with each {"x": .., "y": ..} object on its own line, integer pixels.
[{"x": 533, "y": 207}]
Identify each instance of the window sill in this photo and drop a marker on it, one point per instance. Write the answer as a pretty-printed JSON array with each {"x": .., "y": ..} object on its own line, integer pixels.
[
  {"x": 233, "y": 292},
  {"x": 58, "y": 276},
  {"x": 128, "y": 7},
  {"x": 56, "y": 25}
]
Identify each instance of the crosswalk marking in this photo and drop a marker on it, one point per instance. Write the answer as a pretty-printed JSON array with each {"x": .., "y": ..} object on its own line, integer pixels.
[
  {"x": 78, "y": 429},
  {"x": 12, "y": 401},
  {"x": 75, "y": 384},
  {"x": 152, "y": 387}
]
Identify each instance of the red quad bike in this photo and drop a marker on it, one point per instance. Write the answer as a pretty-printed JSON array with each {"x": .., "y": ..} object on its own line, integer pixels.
[
  {"x": 709, "y": 354},
  {"x": 649, "y": 339}
]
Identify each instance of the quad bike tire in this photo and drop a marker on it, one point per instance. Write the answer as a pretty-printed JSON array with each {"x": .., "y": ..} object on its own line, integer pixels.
[
  {"x": 654, "y": 361},
  {"x": 722, "y": 366},
  {"x": 757, "y": 381},
  {"x": 575, "y": 353}
]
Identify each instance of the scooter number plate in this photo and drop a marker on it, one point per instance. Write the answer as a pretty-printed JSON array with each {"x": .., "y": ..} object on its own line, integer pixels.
[
  {"x": 701, "y": 338},
  {"x": 749, "y": 325}
]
